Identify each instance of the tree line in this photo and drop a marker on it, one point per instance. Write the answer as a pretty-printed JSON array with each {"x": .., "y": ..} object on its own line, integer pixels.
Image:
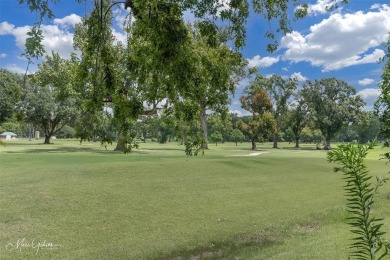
[
  {"x": 188, "y": 70},
  {"x": 316, "y": 112}
]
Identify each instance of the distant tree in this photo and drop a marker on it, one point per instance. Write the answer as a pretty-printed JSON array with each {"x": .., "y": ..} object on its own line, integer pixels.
[
  {"x": 10, "y": 127},
  {"x": 367, "y": 127},
  {"x": 382, "y": 105},
  {"x": 288, "y": 135},
  {"x": 216, "y": 137},
  {"x": 347, "y": 133},
  {"x": 280, "y": 90},
  {"x": 309, "y": 135},
  {"x": 50, "y": 101},
  {"x": 256, "y": 101},
  {"x": 298, "y": 118},
  {"x": 236, "y": 136},
  {"x": 234, "y": 119},
  {"x": 66, "y": 132},
  {"x": 258, "y": 128},
  {"x": 220, "y": 123},
  {"x": 333, "y": 104},
  {"x": 10, "y": 93},
  {"x": 215, "y": 72}
]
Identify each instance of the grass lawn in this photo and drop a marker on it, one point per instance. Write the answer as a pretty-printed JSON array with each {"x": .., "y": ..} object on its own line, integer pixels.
[{"x": 83, "y": 202}]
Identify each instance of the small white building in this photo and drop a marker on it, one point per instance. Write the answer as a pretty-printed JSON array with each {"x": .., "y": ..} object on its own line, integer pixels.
[{"x": 8, "y": 136}]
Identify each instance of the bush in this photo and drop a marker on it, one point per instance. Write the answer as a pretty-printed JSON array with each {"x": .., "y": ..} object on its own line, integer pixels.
[{"x": 66, "y": 132}]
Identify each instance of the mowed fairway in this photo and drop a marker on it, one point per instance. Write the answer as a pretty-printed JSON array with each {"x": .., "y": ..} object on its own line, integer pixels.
[{"x": 158, "y": 204}]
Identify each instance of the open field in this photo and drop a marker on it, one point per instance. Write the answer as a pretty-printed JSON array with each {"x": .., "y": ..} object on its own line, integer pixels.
[{"x": 158, "y": 204}]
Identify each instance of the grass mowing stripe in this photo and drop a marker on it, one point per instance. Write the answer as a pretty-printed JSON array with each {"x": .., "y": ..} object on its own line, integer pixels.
[{"x": 158, "y": 204}]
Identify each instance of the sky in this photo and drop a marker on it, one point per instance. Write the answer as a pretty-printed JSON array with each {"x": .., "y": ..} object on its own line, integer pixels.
[{"x": 346, "y": 43}]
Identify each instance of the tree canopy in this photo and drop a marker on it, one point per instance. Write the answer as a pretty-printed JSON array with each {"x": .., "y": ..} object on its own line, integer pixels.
[
  {"x": 10, "y": 93},
  {"x": 50, "y": 101},
  {"x": 257, "y": 101},
  {"x": 332, "y": 103}
]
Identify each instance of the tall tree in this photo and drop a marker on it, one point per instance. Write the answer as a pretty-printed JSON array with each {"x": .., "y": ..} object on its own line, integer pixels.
[
  {"x": 104, "y": 79},
  {"x": 280, "y": 90},
  {"x": 333, "y": 104},
  {"x": 257, "y": 101},
  {"x": 212, "y": 74},
  {"x": 383, "y": 103},
  {"x": 298, "y": 118},
  {"x": 10, "y": 92},
  {"x": 50, "y": 101}
]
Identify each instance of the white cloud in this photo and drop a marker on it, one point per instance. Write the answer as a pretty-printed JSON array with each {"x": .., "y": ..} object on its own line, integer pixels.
[
  {"x": 6, "y": 28},
  {"x": 57, "y": 37},
  {"x": 71, "y": 20},
  {"x": 119, "y": 36},
  {"x": 321, "y": 6},
  {"x": 120, "y": 15},
  {"x": 3, "y": 55},
  {"x": 57, "y": 40},
  {"x": 15, "y": 69},
  {"x": 341, "y": 41},
  {"x": 365, "y": 82},
  {"x": 243, "y": 83},
  {"x": 298, "y": 76},
  {"x": 240, "y": 112},
  {"x": 222, "y": 5},
  {"x": 369, "y": 95},
  {"x": 264, "y": 62}
]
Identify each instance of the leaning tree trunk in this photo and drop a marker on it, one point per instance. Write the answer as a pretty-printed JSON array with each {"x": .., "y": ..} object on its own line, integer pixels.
[
  {"x": 203, "y": 125},
  {"x": 297, "y": 142},
  {"x": 254, "y": 144}
]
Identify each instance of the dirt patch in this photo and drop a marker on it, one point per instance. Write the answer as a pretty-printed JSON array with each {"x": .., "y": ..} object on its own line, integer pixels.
[{"x": 308, "y": 227}]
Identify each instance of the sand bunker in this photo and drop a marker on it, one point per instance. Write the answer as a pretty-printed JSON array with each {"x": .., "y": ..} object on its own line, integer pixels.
[{"x": 251, "y": 154}]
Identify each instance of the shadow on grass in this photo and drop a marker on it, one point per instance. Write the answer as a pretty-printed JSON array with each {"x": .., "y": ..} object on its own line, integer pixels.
[
  {"x": 62, "y": 150},
  {"x": 160, "y": 149},
  {"x": 300, "y": 148},
  {"x": 226, "y": 249},
  {"x": 51, "y": 148}
]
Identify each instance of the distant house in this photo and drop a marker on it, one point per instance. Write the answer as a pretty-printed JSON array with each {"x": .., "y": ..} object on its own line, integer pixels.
[{"x": 8, "y": 136}]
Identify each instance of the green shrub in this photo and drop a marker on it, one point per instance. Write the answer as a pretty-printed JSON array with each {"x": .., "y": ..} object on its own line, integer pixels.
[{"x": 360, "y": 191}]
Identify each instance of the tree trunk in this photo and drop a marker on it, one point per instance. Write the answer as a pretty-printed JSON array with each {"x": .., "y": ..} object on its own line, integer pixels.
[
  {"x": 236, "y": 143},
  {"x": 47, "y": 139},
  {"x": 119, "y": 146},
  {"x": 203, "y": 125},
  {"x": 183, "y": 139},
  {"x": 297, "y": 142},
  {"x": 275, "y": 140},
  {"x": 253, "y": 144},
  {"x": 327, "y": 143},
  {"x": 144, "y": 135}
]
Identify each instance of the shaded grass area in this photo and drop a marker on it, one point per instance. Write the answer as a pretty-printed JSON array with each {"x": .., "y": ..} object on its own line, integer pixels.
[{"x": 159, "y": 204}]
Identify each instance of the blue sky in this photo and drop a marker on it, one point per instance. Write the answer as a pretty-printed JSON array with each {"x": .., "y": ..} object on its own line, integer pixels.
[{"x": 346, "y": 43}]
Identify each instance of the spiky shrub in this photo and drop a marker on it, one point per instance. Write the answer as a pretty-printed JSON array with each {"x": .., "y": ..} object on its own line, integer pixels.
[{"x": 360, "y": 191}]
